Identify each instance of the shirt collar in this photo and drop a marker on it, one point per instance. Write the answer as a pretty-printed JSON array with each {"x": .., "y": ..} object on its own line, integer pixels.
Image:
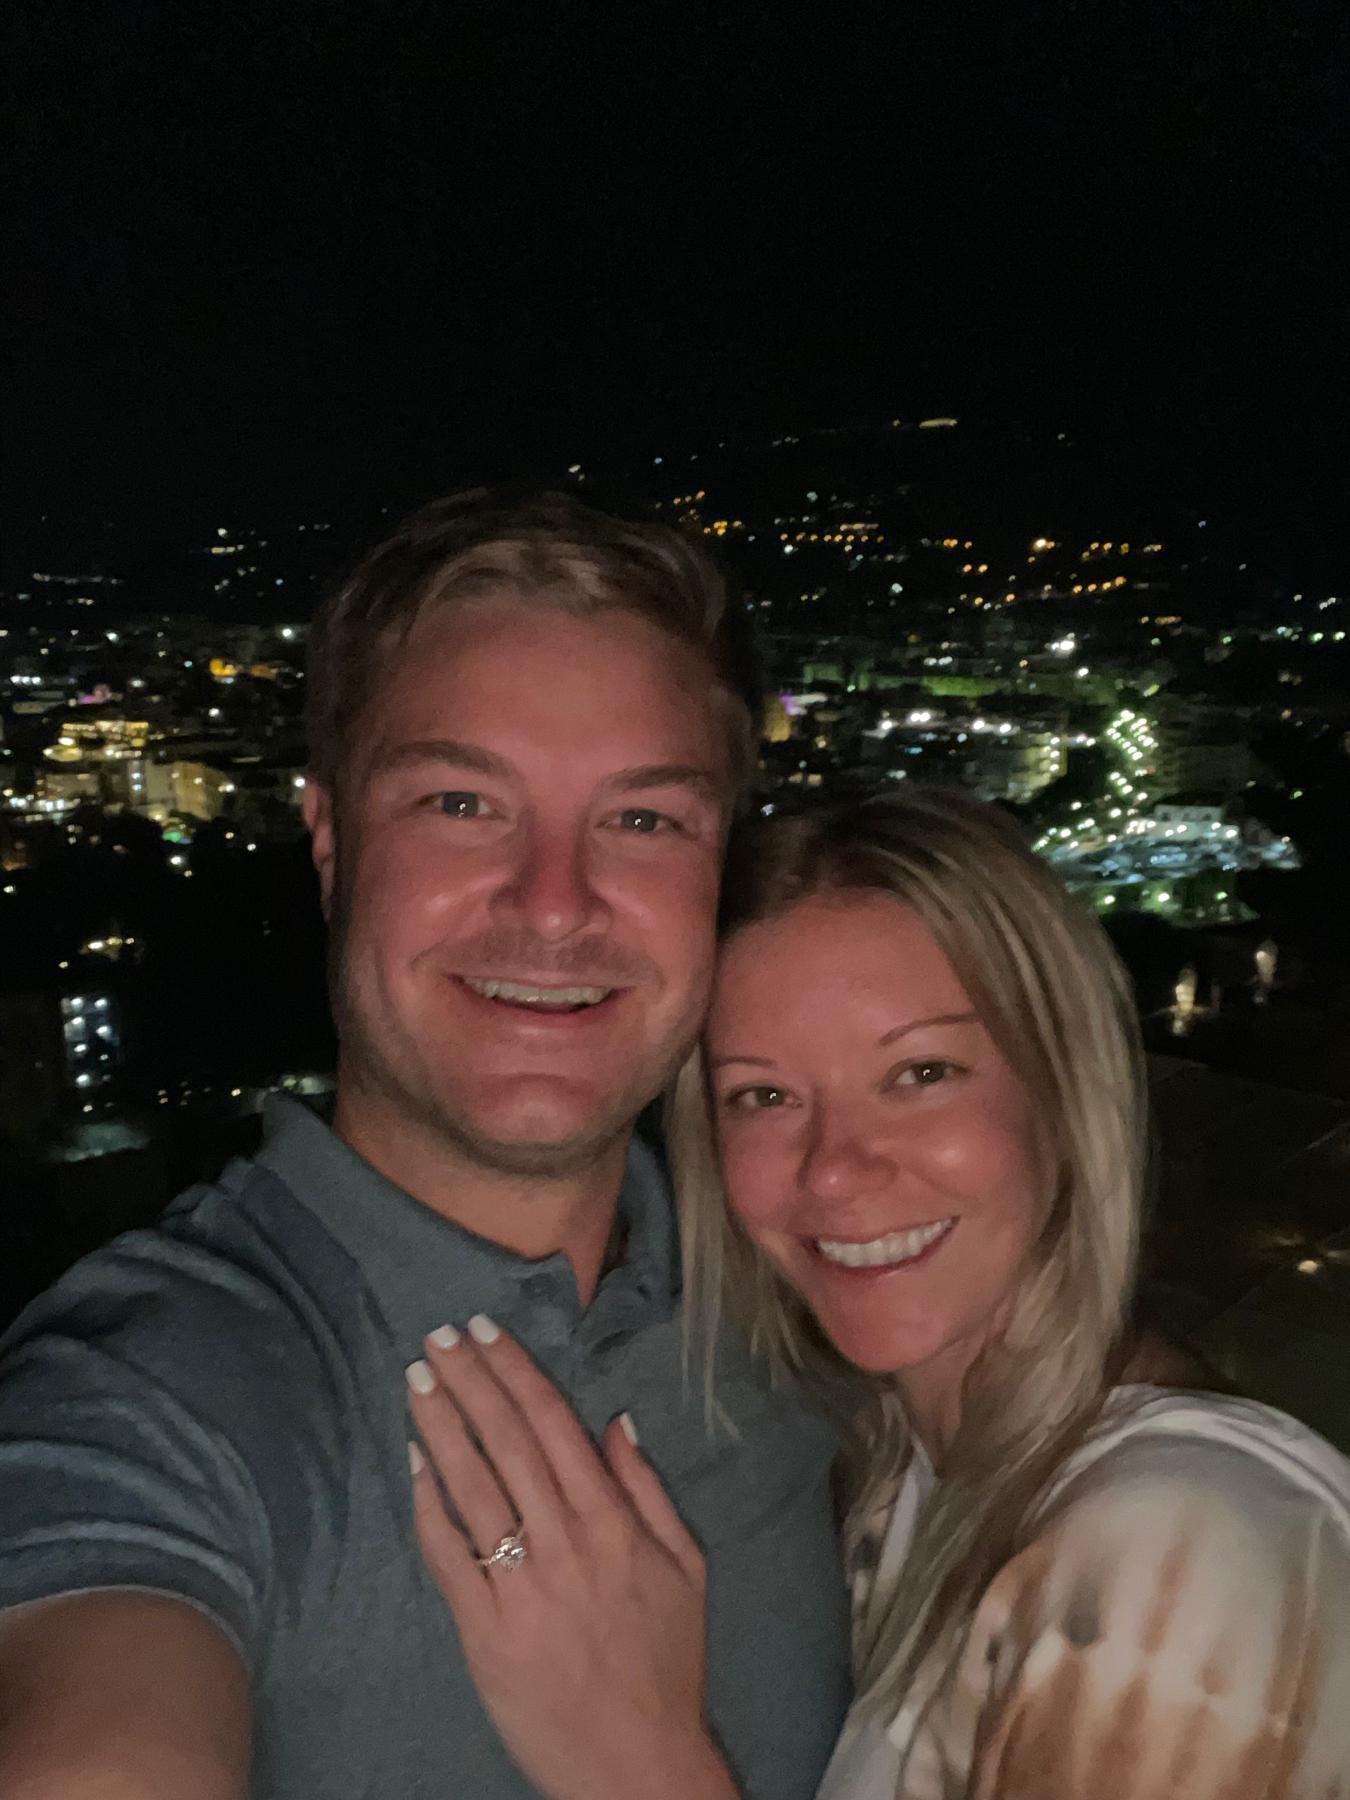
[{"x": 425, "y": 1270}]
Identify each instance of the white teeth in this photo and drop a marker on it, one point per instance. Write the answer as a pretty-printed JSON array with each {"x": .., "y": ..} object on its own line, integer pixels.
[
  {"x": 521, "y": 995},
  {"x": 899, "y": 1247}
]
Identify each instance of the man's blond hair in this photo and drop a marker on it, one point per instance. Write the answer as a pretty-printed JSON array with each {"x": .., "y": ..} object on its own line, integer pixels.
[{"x": 545, "y": 549}]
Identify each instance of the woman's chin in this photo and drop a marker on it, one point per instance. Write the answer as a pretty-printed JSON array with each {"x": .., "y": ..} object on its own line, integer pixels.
[
  {"x": 882, "y": 1346},
  {"x": 870, "y": 1353}
]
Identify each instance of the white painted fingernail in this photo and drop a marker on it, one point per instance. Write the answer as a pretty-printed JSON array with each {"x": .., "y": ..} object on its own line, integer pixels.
[
  {"x": 627, "y": 1426},
  {"x": 420, "y": 1377},
  {"x": 482, "y": 1330},
  {"x": 416, "y": 1461},
  {"x": 445, "y": 1337}
]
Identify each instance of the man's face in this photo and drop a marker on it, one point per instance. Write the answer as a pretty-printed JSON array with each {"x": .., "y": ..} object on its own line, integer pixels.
[{"x": 522, "y": 877}]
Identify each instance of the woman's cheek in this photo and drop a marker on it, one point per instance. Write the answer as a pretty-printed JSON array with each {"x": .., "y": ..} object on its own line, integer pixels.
[
  {"x": 754, "y": 1190},
  {"x": 971, "y": 1145}
]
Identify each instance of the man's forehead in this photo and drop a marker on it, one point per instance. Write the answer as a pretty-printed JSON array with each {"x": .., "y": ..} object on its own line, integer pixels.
[
  {"x": 494, "y": 704},
  {"x": 500, "y": 665},
  {"x": 533, "y": 683}
]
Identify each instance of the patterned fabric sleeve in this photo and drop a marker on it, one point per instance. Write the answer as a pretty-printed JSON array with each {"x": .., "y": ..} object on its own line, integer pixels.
[{"x": 1173, "y": 1629}]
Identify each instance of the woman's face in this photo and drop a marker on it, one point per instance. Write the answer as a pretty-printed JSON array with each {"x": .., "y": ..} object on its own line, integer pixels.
[{"x": 876, "y": 1146}]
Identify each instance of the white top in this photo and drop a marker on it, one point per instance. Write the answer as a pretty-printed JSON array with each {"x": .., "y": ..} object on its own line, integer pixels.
[{"x": 1177, "y": 1624}]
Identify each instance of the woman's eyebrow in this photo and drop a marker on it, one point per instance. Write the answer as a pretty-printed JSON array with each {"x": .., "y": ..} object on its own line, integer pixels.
[
  {"x": 755, "y": 1062},
  {"x": 899, "y": 1031}
]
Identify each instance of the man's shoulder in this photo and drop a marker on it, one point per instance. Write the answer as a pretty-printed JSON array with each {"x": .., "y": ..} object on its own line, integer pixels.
[{"x": 235, "y": 1273}]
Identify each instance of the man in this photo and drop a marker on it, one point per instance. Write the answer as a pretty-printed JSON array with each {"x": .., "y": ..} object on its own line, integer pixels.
[{"x": 528, "y": 721}]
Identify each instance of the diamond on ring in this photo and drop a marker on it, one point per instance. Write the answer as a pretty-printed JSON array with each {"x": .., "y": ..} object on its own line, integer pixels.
[{"x": 509, "y": 1554}]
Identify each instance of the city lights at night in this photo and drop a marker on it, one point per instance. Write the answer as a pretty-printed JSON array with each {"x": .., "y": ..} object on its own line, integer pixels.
[{"x": 887, "y": 413}]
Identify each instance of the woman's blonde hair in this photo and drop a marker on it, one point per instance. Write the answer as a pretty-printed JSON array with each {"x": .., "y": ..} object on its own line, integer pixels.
[{"x": 1050, "y": 991}]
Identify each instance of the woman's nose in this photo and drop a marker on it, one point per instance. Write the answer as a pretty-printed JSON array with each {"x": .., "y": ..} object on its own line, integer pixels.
[{"x": 842, "y": 1164}]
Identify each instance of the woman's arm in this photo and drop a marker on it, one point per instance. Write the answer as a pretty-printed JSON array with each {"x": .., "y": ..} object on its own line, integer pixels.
[
  {"x": 1173, "y": 1630},
  {"x": 584, "y": 1633}
]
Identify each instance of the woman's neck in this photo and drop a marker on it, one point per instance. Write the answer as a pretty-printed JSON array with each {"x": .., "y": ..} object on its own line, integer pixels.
[
  {"x": 934, "y": 1391},
  {"x": 933, "y": 1396}
]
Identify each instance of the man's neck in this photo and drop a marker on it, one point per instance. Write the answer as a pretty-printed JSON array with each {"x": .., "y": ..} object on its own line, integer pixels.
[{"x": 533, "y": 1216}]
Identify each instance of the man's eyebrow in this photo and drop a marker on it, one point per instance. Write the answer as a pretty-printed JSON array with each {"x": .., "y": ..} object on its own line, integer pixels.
[
  {"x": 451, "y": 751},
  {"x": 659, "y": 775},
  {"x": 963, "y": 1018}
]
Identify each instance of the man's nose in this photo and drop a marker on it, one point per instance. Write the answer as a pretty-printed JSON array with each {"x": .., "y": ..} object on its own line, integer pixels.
[{"x": 549, "y": 889}]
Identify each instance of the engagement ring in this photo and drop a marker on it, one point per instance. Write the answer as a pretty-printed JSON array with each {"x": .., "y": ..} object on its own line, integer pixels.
[{"x": 509, "y": 1554}]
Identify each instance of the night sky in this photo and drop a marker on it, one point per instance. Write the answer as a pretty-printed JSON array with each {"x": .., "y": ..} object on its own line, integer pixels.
[{"x": 271, "y": 256}]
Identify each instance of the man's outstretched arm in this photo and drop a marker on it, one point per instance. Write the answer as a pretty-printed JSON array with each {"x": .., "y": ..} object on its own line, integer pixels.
[{"x": 120, "y": 1696}]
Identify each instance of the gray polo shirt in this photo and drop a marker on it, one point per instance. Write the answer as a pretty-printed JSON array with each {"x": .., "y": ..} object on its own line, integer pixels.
[{"x": 215, "y": 1410}]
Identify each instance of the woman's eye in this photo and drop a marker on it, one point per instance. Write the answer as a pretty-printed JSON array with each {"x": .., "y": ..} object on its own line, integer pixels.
[
  {"x": 645, "y": 820},
  {"x": 924, "y": 1074},
  {"x": 755, "y": 1099},
  {"x": 460, "y": 804}
]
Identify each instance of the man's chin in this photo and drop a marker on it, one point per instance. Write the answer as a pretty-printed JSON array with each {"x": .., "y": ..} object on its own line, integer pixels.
[
  {"x": 539, "y": 1158},
  {"x": 542, "y": 1141},
  {"x": 529, "y": 1127}
]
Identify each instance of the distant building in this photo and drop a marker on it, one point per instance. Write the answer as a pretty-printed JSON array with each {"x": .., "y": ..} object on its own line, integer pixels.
[
  {"x": 193, "y": 790},
  {"x": 1019, "y": 766},
  {"x": 1203, "y": 759},
  {"x": 65, "y": 788},
  {"x": 92, "y": 1045},
  {"x": 100, "y": 733},
  {"x": 1193, "y": 823},
  {"x": 58, "y": 1054}
]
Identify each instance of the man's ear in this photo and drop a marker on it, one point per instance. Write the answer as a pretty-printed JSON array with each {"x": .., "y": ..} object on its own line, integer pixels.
[{"x": 316, "y": 803}]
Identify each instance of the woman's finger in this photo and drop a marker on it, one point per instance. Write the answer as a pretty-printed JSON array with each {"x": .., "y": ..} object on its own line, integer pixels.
[
  {"x": 650, "y": 1501},
  {"x": 486, "y": 1513},
  {"x": 578, "y": 1471},
  {"x": 449, "y": 1558},
  {"x": 464, "y": 1368}
]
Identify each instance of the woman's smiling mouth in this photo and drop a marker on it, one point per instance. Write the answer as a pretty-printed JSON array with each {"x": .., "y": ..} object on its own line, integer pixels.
[{"x": 889, "y": 1252}]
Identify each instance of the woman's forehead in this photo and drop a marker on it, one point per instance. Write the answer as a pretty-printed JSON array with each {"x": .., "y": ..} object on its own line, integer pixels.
[{"x": 858, "y": 950}]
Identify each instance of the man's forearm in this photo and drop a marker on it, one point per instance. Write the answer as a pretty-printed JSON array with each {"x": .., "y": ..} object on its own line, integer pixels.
[{"x": 120, "y": 1696}]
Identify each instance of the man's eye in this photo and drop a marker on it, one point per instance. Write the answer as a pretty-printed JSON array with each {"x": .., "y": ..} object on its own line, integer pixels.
[
  {"x": 459, "y": 804},
  {"x": 756, "y": 1099},
  {"x": 646, "y": 820}
]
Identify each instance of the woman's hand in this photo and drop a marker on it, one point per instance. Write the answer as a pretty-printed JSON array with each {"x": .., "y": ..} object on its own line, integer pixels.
[{"x": 588, "y": 1650}]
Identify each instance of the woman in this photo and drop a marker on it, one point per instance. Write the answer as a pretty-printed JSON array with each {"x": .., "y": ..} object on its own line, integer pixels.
[{"x": 924, "y": 1083}]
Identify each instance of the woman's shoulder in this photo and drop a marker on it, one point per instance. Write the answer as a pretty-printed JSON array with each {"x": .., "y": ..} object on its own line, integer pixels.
[
  {"x": 1202, "y": 1451},
  {"x": 1192, "y": 1563}
]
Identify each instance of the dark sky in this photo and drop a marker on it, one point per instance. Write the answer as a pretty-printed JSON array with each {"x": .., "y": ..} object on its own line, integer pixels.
[{"x": 274, "y": 255}]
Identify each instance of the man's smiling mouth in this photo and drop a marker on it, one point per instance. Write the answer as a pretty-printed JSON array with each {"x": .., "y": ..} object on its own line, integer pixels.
[{"x": 534, "y": 998}]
